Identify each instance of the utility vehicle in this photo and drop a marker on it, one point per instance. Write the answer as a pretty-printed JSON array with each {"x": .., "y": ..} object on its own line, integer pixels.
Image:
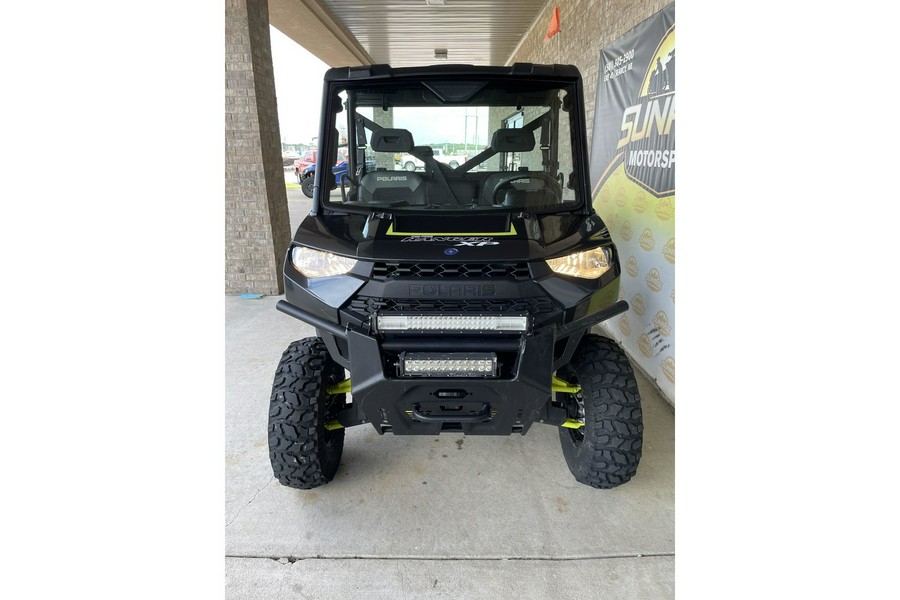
[{"x": 454, "y": 300}]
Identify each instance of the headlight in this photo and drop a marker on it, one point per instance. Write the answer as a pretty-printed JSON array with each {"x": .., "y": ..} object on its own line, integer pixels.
[
  {"x": 590, "y": 264},
  {"x": 314, "y": 263}
]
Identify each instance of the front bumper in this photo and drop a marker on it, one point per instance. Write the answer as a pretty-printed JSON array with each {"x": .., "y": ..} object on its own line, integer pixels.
[
  {"x": 428, "y": 406},
  {"x": 508, "y": 403}
]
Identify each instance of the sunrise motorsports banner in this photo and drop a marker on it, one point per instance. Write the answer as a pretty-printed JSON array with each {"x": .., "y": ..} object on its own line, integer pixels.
[{"x": 633, "y": 186}]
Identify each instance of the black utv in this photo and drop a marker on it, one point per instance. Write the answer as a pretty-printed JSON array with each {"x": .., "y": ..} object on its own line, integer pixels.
[{"x": 454, "y": 299}]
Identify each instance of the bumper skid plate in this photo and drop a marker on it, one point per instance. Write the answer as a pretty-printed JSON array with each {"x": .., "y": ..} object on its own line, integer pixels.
[{"x": 472, "y": 405}]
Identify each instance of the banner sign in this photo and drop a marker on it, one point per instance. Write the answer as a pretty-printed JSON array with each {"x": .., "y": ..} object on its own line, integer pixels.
[{"x": 633, "y": 184}]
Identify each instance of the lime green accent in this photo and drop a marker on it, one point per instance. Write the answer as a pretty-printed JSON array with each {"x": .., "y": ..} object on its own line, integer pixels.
[
  {"x": 512, "y": 231},
  {"x": 560, "y": 385},
  {"x": 572, "y": 424},
  {"x": 342, "y": 387}
]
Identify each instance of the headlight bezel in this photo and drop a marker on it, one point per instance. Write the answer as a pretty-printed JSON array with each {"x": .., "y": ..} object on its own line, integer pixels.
[
  {"x": 316, "y": 264},
  {"x": 577, "y": 264}
]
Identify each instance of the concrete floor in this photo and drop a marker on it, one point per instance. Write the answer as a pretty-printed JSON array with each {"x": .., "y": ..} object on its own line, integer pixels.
[{"x": 432, "y": 517}]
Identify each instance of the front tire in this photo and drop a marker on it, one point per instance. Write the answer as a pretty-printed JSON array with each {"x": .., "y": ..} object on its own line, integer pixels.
[
  {"x": 605, "y": 452},
  {"x": 410, "y": 166},
  {"x": 307, "y": 184},
  {"x": 304, "y": 454}
]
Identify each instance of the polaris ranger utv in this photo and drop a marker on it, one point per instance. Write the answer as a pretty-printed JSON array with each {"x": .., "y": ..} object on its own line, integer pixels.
[{"x": 454, "y": 299}]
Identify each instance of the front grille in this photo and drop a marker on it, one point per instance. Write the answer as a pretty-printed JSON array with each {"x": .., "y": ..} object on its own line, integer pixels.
[
  {"x": 516, "y": 271},
  {"x": 366, "y": 306}
]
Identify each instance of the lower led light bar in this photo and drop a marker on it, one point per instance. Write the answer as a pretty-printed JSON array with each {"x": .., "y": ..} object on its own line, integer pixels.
[
  {"x": 499, "y": 323},
  {"x": 457, "y": 364}
]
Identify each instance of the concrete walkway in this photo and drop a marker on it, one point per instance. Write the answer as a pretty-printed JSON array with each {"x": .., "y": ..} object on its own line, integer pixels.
[{"x": 433, "y": 517}]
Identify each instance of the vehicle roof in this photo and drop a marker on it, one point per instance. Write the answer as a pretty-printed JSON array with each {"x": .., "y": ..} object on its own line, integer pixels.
[{"x": 382, "y": 71}]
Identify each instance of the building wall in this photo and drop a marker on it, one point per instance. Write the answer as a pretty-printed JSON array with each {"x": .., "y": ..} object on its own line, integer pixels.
[
  {"x": 257, "y": 225},
  {"x": 586, "y": 26}
]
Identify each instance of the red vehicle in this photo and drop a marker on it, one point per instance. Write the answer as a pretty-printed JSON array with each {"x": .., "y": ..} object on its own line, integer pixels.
[
  {"x": 306, "y": 159},
  {"x": 305, "y": 169}
]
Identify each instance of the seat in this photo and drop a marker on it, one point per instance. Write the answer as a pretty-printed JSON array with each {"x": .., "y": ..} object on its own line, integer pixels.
[
  {"x": 512, "y": 139},
  {"x": 392, "y": 140},
  {"x": 508, "y": 140},
  {"x": 528, "y": 188},
  {"x": 392, "y": 188}
]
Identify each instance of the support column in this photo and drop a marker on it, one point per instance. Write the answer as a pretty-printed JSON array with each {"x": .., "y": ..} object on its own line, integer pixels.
[
  {"x": 257, "y": 224},
  {"x": 384, "y": 160}
]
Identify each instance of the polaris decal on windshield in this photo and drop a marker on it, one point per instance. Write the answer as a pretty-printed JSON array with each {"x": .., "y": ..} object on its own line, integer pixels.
[{"x": 460, "y": 241}]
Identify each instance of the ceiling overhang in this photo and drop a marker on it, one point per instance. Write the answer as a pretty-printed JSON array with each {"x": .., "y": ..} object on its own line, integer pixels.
[
  {"x": 311, "y": 24},
  {"x": 405, "y": 33}
]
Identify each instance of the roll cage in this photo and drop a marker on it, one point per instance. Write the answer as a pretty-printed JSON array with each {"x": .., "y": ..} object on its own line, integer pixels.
[{"x": 453, "y": 85}]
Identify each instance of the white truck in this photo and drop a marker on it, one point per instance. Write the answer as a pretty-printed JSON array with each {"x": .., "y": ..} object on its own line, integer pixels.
[{"x": 411, "y": 163}]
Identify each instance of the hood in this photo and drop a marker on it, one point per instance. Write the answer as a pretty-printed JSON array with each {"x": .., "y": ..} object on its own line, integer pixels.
[{"x": 452, "y": 238}]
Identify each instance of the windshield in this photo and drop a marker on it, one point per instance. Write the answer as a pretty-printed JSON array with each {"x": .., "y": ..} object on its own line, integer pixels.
[{"x": 455, "y": 146}]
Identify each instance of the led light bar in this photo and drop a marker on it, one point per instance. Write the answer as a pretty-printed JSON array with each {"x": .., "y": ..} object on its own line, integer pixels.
[
  {"x": 465, "y": 364},
  {"x": 451, "y": 323}
]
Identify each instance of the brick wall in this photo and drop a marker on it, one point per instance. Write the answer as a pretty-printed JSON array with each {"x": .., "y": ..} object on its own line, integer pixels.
[
  {"x": 586, "y": 26},
  {"x": 257, "y": 226}
]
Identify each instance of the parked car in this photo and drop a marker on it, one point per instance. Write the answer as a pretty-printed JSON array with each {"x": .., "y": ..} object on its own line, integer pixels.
[
  {"x": 308, "y": 158},
  {"x": 308, "y": 176},
  {"x": 411, "y": 163}
]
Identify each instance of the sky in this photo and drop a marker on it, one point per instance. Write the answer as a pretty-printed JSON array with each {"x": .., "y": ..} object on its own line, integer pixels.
[
  {"x": 452, "y": 126},
  {"x": 298, "y": 88}
]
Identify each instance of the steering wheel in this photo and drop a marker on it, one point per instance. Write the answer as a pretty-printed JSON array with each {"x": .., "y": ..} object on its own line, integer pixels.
[{"x": 551, "y": 182}]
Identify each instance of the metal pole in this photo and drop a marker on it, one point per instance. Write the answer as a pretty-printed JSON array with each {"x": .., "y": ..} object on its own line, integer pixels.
[
  {"x": 466, "y": 131},
  {"x": 476, "y": 129}
]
